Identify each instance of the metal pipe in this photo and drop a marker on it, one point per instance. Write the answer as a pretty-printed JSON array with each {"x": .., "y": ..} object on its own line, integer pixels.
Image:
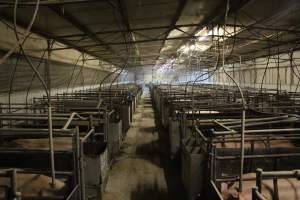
[
  {"x": 34, "y": 118},
  {"x": 52, "y": 158},
  {"x": 259, "y": 179},
  {"x": 82, "y": 176},
  {"x": 257, "y": 139},
  {"x": 219, "y": 133},
  {"x": 77, "y": 157},
  {"x": 259, "y": 156},
  {"x": 256, "y": 195},
  {"x": 1, "y": 121},
  {"x": 242, "y": 150},
  {"x": 70, "y": 197},
  {"x": 71, "y": 118},
  {"x": 49, "y": 2},
  {"x": 14, "y": 184},
  {"x": 30, "y": 130},
  {"x": 258, "y": 119},
  {"x": 88, "y": 135},
  {"x": 51, "y": 145},
  {"x": 292, "y": 119}
]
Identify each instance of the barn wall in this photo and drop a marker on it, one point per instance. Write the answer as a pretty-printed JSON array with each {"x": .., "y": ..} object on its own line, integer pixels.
[
  {"x": 63, "y": 76},
  {"x": 283, "y": 75}
]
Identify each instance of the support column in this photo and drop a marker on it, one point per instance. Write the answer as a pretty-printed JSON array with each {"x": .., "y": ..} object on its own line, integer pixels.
[{"x": 48, "y": 82}]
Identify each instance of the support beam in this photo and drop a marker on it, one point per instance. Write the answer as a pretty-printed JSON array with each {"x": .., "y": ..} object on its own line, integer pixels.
[
  {"x": 71, "y": 19},
  {"x": 177, "y": 15},
  {"x": 131, "y": 29},
  {"x": 50, "y": 36},
  {"x": 172, "y": 38},
  {"x": 179, "y": 27},
  {"x": 49, "y": 2},
  {"x": 216, "y": 17},
  {"x": 125, "y": 20},
  {"x": 264, "y": 28}
]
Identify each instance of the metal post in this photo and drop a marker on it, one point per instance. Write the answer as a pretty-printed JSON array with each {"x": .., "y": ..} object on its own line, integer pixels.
[
  {"x": 106, "y": 124},
  {"x": 213, "y": 163},
  {"x": 14, "y": 183},
  {"x": 82, "y": 175},
  {"x": 259, "y": 179},
  {"x": 91, "y": 122},
  {"x": 254, "y": 190},
  {"x": 51, "y": 145},
  {"x": 252, "y": 152},
  {"x": 77, "y": 157},
  {"x": 242, "y": 150},
  {"x": 1, "y": 122},
  {"x": 275, "y": 182},
  {"x": 47, "y": 70},
  {"x": 82, "y": 67}
]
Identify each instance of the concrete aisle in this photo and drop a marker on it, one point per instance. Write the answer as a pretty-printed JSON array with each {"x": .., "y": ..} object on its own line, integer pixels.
[{"x": 143, "y": 171}]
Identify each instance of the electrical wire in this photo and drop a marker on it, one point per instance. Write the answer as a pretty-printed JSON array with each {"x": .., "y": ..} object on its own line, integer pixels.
[
  {"x": 243, "y": 116},
  {"x": 74, "y": 66},
  {"x": 11, "y": 80},
  {"x": 27, "y": 31},
  {"x": 265, "y": 71},
  {"x": 93, "y": 79},
  {"x": 45, "y": 2},
  {"x": 23, "y": 51},
  {"x": 47, "y": 90},
  {"x": 210, "y": 74},
  {"x": 33, "y": 76},
  {"x": 106, "y": 77},
  {"x": 20, "y": 33},
  {"x": 81, "y": 72},
  {"x": 77, "y": 76}
]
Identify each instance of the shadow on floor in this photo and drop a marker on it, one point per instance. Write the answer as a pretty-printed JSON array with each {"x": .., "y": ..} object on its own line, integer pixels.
[
  {"x": 172, "y": 167},
  {"x": 147, "y": 115},
  {"x": 150, "y": 149},
  {"x": 147, "y": 102},
  {"x": 147, "y": 130},
  {"x": 154, "y": 153},
  {"x": 149, "y": 192}
]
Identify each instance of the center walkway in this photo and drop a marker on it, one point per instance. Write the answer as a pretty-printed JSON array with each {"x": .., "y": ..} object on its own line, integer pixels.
[{"x": 143, "y": 171}]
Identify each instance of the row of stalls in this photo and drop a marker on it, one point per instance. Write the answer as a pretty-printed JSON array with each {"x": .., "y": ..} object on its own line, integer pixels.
[
  {"x": 232, "y": 146},
  {"x": 65, "y": 153}
]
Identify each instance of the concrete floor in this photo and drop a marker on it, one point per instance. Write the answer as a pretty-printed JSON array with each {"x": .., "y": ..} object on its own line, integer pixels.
[{"x": 143, "y": 170}]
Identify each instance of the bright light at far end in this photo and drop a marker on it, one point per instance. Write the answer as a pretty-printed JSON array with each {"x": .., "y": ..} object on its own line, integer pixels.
[
  {"x": 186, "y": 49},
  {"x": 192, "y": 47}
]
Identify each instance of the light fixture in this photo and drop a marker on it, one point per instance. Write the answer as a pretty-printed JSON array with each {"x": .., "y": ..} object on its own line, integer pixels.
[{"x": 186, "y": 49}]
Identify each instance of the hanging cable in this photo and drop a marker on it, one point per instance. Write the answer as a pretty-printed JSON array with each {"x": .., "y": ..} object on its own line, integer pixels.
[
  {"x": 77, "y": 76},
  {"x": 106, "y": 77},
  {"x": 27, "y": 31},
  {"x": 81, "y": 71},
  {"x": 22, "y": 49},
  {"x": 292, "y": 63},
  {"x": 210, "y": 74},
  {"x": 243, "y": 116},
  {"x": 74, "y": 67},
  {"x": 47, "y": 90},
  {"x": 11, "y": 80},
  {"x": 33, "y": 76}
]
